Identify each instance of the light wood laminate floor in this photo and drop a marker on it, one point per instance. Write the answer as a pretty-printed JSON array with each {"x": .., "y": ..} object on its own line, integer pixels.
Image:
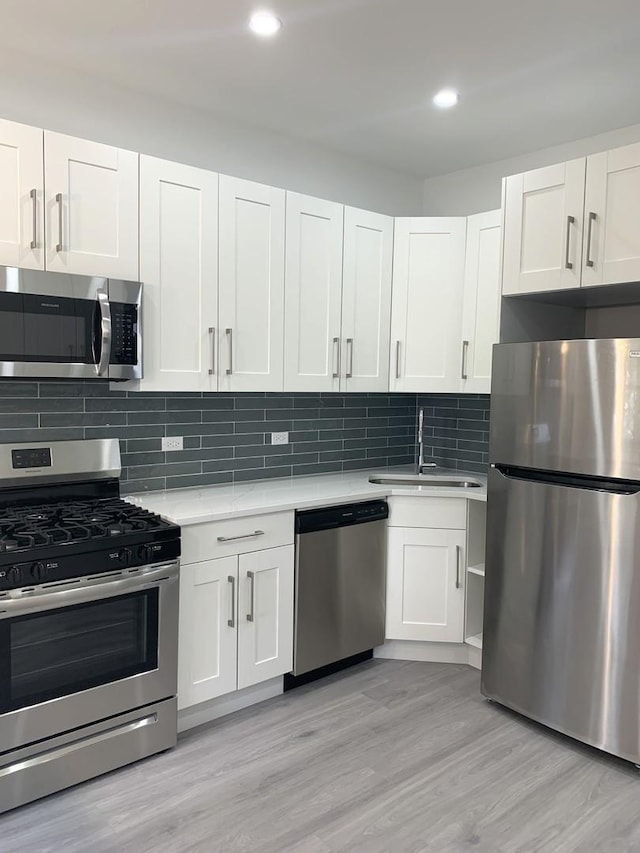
[{"x": 392, "y": 757}]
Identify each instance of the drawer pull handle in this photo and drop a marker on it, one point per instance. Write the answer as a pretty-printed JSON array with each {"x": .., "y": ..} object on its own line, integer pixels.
[
  {"x": 242, "y": 536},
  {"x": 458, "y": 550}
]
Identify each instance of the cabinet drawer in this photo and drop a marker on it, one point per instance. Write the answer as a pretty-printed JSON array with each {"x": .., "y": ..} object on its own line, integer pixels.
[
  {"x": 215, "y": 539},
  {"x": 443, "y": 513}
]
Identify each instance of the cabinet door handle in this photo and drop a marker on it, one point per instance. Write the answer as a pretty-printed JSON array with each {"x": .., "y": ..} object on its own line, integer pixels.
[
  {"x": 252, "y": 580},
  {"x": 229, "y": 369},
  {"x": 232, "y": 622},
  {"x": 242, "y": 536},
  {"x": 458, "y": 550},
  {"x": 34, "y": 210},
  {"x": 567, "y": 263},
  {"x": 349, "y": 345},
  {"x": 59, "y": 203},
  {"x": 397, "y": 359},
  {"x": 465, "y": 352},
  {"x": 336, "y": 358},
  {"x": 592, "y": 219},
  {"x": 212, "y": 335}
]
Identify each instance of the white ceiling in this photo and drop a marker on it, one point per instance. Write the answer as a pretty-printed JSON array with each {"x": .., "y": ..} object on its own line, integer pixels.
[{"x": 357, "y": 75}]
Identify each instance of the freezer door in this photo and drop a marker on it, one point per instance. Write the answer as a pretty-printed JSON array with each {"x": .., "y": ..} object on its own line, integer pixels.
[
  {"x": 562, "y": 609},
  {"x": 568, "y": 406}
]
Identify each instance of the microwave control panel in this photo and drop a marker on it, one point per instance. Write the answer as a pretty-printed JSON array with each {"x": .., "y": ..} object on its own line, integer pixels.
[{"x": 124, "y": 333}]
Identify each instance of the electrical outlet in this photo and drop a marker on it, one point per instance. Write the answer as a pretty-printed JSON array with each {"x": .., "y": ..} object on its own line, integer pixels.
[
  {"x": 279, "y": 438},
  {"x": 172, "y": 442}
]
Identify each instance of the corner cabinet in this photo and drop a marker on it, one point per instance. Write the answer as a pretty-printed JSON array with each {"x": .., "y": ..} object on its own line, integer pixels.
[
  {"x": 236, "y": 606},
  {"x": 426, "y": 320},
  {"x": 426, "y": 569},
  {"x": 252, "y": 233},
  {"x": 179, "y": 268}
]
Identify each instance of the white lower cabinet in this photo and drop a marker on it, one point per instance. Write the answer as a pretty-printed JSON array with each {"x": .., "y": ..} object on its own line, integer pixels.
[
  {"x": 425, "y": 585},
  {"x": 236, "y": 623},
  {"x": 265, "y": 615},
  {"x": 426, "y": 569},
  {"x": 207, "y": 645}
]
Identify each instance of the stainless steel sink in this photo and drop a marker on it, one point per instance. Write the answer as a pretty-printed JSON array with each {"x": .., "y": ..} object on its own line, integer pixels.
[{"x": 443, "y": 481}]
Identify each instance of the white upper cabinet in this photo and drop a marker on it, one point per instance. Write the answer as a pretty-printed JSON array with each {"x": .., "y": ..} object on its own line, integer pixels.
[
  {"x": 265, "y": 614},
  {"x": 179, "y": 268},
  {"x": 481, "y": 303},
  {"x": 313, "y": 294},
  {"x": 612, "y": 217},
  {"x": 426, "y": 320},
  {"x": 252, "y": 229},
  {"x": 543, "y": 225},
  {"x": 91, "y": 207},
  {"x": 22, "y": 199},
  {"x": 207, "y": 635},
  {"x": 366, "y": 300}
]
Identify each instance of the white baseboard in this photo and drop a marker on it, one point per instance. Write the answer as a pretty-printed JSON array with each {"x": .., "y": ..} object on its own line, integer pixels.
[
  {"x": 205, "y": 712},
  {"x": 429, "y": 652},
  {"x": 475, "y": 657}
]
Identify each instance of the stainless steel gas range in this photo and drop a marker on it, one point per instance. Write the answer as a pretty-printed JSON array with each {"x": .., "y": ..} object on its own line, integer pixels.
[{"x": 88, "y": 620}]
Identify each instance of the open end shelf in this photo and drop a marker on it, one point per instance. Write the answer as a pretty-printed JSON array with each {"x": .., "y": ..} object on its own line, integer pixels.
[
  {"x": 477, "y": 570},
  {"x": 475, "y": 640}
]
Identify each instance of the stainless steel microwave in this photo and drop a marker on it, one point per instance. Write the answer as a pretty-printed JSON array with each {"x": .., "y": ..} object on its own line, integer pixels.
[{"x": 59, "y": 326}]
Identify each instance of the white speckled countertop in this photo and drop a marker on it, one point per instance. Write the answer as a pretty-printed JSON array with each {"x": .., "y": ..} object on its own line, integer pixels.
[{"x": 214, "y": 503}]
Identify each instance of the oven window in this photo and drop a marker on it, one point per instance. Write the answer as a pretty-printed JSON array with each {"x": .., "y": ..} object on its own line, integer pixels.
[
  {"x": 58, "y": 652},
  {"x": 49, "y": 329}
]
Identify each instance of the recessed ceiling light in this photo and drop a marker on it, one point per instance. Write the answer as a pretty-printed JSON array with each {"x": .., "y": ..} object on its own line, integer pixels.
[
  {"x": 445, "y": 98},
  {"x": 264, "y": 23}
]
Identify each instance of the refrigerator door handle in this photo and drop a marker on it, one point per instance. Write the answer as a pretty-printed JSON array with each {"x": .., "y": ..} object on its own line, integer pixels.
[{"x": 572, "y": 481}]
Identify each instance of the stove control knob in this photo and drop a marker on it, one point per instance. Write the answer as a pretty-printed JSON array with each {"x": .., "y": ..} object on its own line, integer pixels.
[
  {"x": 144, "y": 553},
  {"x": 14, "y": 577},
  {"x": 124, "y": 555},
  {"x": 38, "y": 571}
]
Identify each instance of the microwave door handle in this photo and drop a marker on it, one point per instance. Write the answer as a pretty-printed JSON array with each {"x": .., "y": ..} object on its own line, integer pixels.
[{"x": 105, "y": 333}]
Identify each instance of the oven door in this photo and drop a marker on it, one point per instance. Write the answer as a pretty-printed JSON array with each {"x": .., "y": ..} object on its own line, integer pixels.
[
  {"x": 53, "y": 325},
  {"x": 75, "y": 653}
]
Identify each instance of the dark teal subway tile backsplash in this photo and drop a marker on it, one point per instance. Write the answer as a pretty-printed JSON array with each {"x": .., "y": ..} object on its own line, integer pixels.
[
  {"x": 226, "y": 436},
  {"x": 456, "y": 430}
]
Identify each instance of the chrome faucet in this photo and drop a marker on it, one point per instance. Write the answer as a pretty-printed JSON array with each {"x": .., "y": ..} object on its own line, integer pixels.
[{"x": 421, "y": 464}]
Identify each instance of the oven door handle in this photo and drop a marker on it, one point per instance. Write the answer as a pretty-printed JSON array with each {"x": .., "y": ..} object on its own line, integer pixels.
[
  {"x": 105, "y": 333},
  {"x": 56, "y": 595}
]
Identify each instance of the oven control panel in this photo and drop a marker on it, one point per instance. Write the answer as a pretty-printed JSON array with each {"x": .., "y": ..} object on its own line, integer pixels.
[
  {"x": 31, "y": 457},
  {"x": 124, "y": 333},
  {"x": 28, "y": 574}
]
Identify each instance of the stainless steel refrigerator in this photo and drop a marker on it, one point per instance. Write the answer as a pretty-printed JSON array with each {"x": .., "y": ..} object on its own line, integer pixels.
[{"x": 561, "y": 637}]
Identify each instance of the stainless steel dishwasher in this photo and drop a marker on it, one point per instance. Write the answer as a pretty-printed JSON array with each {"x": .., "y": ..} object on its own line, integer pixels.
[{"x": 339, "y": 584}]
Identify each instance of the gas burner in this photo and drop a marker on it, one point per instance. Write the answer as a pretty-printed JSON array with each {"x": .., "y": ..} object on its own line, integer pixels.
[
  {"x": 121, "y": 527},
  {"x": 37, "y": 516}
]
